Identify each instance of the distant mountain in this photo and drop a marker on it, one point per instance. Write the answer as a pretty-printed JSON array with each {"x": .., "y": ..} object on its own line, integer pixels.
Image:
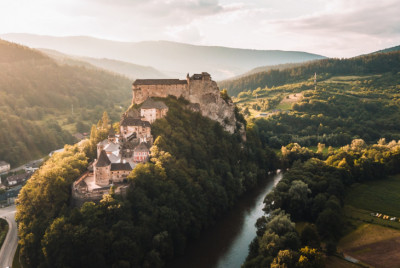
[
  {"x": 42, "y": 102},
  {"x": 132, "y": 71},
  {"x": 391, "y": 49},
  {"x": 362, "y": 65},
  {"x": 168, "y": 57},
  {"x": 266, "y": 69}
]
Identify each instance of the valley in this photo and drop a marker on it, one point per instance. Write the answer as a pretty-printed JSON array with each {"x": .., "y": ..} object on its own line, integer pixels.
[{"x": 332, "y": 123}]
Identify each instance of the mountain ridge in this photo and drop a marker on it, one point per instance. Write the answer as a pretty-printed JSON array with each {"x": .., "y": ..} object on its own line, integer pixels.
[
  {"x": 178, "y": 58},
  {"x": 360, "y": 65},
  {"x": 130, "y": 70}
]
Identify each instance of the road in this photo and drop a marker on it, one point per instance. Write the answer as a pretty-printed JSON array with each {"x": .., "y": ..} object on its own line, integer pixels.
[{"x": 10, "y": 243}]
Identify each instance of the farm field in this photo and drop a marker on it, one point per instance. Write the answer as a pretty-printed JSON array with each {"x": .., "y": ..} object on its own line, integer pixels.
[
  {"x": 373, "y": 245},
  {"x": 381, "y": 196},
  {"x": 334, "y": 262},
  {"x": 373, "y": 237}
]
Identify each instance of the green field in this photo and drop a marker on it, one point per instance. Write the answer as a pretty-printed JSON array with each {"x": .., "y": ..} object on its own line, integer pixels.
[
  {"x": 381, "y": 196},
  {"x": 284, "y": 106}
]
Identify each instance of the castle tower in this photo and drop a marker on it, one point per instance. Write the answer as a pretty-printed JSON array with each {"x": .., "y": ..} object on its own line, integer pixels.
[
  {"x": 102, "y": 170},
  {"x": 111, "y": 135}
]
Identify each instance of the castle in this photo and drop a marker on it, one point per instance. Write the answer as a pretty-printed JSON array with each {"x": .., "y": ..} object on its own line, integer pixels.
[
  {"x": 119, "y": 154},
  {"x": 199, "y": 89}
]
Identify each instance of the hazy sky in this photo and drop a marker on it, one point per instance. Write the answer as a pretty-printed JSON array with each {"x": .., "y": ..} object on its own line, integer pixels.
[{"x": 336, "y": 28}]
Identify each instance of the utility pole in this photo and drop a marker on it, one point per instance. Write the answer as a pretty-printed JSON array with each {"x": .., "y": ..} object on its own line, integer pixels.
[
  {"x": 72, "y": 109},
  {"x": 315, "y": 81}
]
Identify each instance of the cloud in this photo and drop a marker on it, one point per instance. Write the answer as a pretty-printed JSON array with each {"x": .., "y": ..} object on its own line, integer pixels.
[
  {"x": 159, "y": 8},
  {"x": 332, "y": 28},
  {"x": 188, "y": 33},
  {"x": 354, "y": 17}
]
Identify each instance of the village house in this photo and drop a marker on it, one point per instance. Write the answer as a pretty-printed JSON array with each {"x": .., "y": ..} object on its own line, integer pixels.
[
  {"x": 17, "y": 179},
  {"x": 141, "y": 153},
  {"x": 4, "y": 167},
  {"x": 141, "y": 129},
  {"x": 151, "y": 110},
  {"x": 119, "y": 153},
  {"x": 106, "y": 173}
]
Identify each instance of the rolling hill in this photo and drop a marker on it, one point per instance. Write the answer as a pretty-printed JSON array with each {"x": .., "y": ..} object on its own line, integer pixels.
[
  {"x": 42, "y": 102},
  {"x": 353, "y": 98},
  {"x": 390, "y": 49},
  {"x": 266, "y": 68},
  {"x": 130, "y": 70},
  {"x": 173, "y": 59},
  {"x": 362, "y": 65}
]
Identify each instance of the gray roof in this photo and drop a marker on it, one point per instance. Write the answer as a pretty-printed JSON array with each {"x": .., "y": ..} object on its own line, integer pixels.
[
  {"x": 103, "y": 160},
  {"x": 114, "y": 158},
  {"x": 130, "y": 121},
  {"x": 135, "y": 113},
  {"x": 111, "y": 133},
  {"x": 142, "y": 147},
  {"x": 111, "y": 147},
  {"x": 19, "y": 177},
  {"x": 104, "y": 142},
  {"x": 121, "y": 166},
  {"x": 139, "y": 82},
  {"x": 149, "y": 103}
]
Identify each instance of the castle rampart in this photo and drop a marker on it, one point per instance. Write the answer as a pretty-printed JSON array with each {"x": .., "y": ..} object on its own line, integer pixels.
[{"x": 144, "y": 88}]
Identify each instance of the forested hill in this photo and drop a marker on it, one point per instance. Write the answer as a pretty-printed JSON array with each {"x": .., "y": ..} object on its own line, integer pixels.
[
  {"x": 362, "y": 65},
  {"x": 196, "y": 172},
  {"x": 36, "y": 100},
  {"x": 390, "y": 49}
]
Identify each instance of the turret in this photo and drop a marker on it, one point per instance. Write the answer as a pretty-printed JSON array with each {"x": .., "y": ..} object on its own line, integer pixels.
[
  {"x": 111, "y": 135},
  {"x": 102, "y": 169}
]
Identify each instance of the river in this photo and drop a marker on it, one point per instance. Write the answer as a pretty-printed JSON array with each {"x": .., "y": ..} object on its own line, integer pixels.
[{"x": 226, "y": 243}]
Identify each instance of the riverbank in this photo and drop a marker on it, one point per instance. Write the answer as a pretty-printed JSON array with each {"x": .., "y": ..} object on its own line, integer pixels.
[{"x": 226, "y": 243}]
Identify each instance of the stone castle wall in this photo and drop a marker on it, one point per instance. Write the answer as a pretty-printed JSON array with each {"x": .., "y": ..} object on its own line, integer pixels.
[
  {"x": 199, "y": 90},
  {"x": 140, "y": 93}
]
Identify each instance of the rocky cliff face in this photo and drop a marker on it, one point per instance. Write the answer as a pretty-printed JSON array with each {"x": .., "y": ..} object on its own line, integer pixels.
[{"x": 207, "y": 95}]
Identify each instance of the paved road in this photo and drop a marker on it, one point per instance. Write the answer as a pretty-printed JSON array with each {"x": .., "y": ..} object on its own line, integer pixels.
[{"x": 10, "y": 243}]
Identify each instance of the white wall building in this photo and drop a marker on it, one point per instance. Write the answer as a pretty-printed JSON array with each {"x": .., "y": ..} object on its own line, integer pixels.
[{"x": 4, "y": 167}]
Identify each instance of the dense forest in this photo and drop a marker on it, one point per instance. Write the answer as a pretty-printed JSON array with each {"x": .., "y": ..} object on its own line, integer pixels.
[
  {"x": 42, "y": 103},
  {"x": 312, "y": 192},
  {"x": 196, "y": 172},
  {"x": 362, "y": 65}
]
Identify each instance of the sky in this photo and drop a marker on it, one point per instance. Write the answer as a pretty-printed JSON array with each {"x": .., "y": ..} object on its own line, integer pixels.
[{"x": 333, "y": 28}]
